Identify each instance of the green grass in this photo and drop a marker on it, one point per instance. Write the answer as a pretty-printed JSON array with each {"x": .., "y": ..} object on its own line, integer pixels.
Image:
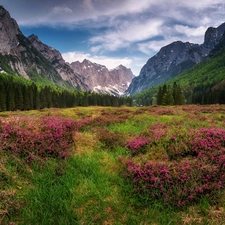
[{"x": 89, "y": 188}]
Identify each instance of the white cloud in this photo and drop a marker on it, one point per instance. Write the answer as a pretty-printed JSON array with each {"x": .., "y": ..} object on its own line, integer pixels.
[
  {"x": 189, "y": 31},
  {"x": 109, "y": 62},
  {"x": 152, "y": 47},
  {"x": 62, "y": 10},
  {"x": 126, "y": 34}
]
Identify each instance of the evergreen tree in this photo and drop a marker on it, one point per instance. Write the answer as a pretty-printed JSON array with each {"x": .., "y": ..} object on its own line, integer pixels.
[
  {"x": 19, "y": 102},
  {"x": 10, "y": 103},
  {"x": 2, "y": 97},
  {"x": 159, "y": 96}
]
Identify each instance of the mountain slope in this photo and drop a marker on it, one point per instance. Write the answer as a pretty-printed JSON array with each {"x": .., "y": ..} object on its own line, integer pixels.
[
  {"x": 32, "y": 59},
  {"x": 173, "y": 59},
  {"x": 18, "y": 56},
  {"x": 56, "y": 60},
  {"x": 101, "y": 80},
  {"x": 201, "y": 80}
]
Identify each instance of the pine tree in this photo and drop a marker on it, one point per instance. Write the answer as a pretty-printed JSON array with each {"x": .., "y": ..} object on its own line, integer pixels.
[
  {"x": 168, "y": 97},
  {"x": 2, "y": 97},
  {"x": 10, "y": 102},
  {"x": 159, "y": 96}
]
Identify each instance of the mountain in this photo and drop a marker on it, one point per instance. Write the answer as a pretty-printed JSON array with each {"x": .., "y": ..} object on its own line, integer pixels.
[
  {"x": 56, "y": 60},
  {"x": 19, "y": 56},
  {"x": 173, "y": 59},
  {"x": 204, "y": 83},
  {"x": 101, "y": 80},
  {"x": 34, "y": 60}
]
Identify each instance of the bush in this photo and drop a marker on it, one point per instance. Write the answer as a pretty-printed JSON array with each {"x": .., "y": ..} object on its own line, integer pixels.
[
  {"x": 195, "y": 166},
  {"x": 109, "y": 139},
  {"x": 45, "y": 137},
  {"x": 138, "y": 144},
  {"x": 177, "y": 183}
]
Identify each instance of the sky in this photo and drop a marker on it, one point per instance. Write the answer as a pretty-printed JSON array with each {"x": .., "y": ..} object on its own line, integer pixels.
[{"x": 114, "y": 32}]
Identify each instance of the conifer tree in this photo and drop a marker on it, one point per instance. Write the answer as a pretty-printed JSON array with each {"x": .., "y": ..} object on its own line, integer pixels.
[{"x": 2, "y": 97}]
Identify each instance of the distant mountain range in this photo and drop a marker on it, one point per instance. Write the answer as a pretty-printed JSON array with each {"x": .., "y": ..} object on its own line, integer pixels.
[
  {"x": 174, "y": 59},
  {"x": 32, "y": 59},
  {"x": 101, "y": 80},
  {"x": 204, "y": 83}
]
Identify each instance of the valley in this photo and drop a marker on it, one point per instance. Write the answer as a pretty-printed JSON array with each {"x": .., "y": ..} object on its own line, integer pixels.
[{"x": 104, "y": 165}]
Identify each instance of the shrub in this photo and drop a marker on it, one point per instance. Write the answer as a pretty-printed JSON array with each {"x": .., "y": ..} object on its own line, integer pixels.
[
  {"x": 202, "y": 142},
  {"x": 109, "y": 139},
  {"x": 195, "y": 166},
  {"x": 177, "y": 183},
  {"x": 138, "y": 144},
  {"x": 45, "y": 137}
]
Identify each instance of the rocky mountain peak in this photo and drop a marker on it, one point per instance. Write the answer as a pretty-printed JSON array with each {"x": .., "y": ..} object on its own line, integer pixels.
[
  {"x": 8, "y": 32},
  {"x": 57, "y": 61},
  {"x": 102, "y": 80},
  {"x": 34, "y": 38},
  {"x": 212, "y": 37},
  {"x": 173, "y": 59},
  {"x": 50, "y": 53}
]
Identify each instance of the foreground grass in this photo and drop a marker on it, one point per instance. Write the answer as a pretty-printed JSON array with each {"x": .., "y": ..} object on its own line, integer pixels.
[{"x": 89, "y": 188}]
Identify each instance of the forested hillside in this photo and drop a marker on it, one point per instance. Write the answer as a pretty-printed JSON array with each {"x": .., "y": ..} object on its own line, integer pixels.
[
  {"x": 202, "y": 84},
  {"x": 21, "y": 94}
]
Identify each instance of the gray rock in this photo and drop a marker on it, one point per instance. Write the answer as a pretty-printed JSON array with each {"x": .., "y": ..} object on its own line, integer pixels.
[
  {"x": 173, "y": 59},
  {"x": 101, "y": 80}
]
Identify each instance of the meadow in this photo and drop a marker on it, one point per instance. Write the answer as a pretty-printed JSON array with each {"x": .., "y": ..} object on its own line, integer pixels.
[{"x": 108, "y": 165}]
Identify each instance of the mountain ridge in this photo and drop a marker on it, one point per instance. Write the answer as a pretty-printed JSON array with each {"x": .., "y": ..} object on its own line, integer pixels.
[
  {"x": 102, "y": 80},
  {"x": 173, "y": 59},
  {"x": 30, "y": 58},
  {"x": 204, "y": 83}
]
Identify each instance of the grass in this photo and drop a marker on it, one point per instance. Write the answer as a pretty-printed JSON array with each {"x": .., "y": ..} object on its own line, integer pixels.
[{"x": 89, "y": 187}]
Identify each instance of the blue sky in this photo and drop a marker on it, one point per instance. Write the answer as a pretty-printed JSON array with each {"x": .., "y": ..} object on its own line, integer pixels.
[{"x": 114, "y": 32}]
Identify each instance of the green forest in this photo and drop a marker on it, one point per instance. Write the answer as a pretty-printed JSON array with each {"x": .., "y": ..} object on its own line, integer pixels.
[
  {"x": 202, "y": 84},
  {"x": 20, "y": 94}
]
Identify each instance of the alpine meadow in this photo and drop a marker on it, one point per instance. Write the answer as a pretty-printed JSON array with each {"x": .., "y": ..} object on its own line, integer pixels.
[{"x": 86, "y": 140}]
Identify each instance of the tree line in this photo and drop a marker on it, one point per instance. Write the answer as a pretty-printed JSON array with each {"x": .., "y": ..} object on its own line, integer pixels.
[
  {"x": 206, "y": 94},
  {"x": 16, "y": 95},
  {"x": 168, "y": 95}
]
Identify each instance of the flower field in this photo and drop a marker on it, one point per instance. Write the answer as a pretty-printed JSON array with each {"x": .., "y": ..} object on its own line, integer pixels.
[{"x": 104, "y": 165}]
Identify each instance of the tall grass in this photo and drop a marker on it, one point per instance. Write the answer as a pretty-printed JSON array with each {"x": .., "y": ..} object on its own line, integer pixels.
[{"x": 94, "y": 184}]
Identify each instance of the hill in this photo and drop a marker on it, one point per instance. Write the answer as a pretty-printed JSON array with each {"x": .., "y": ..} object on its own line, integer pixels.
[
  {"x": 202, "y": 84},
  {"x": 174, "y": 59},
  {"x": 103, "y": 165}
]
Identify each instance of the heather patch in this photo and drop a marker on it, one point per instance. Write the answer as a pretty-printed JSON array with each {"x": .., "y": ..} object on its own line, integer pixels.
[
  {"x": 144, "y": 165},
  {"x": 43, "y": 137},
  {"x": 138, "y": 144},
  {"x": 193, "y": 166},
  {"x": 177, "y": 183},
  {"x": 109, "y": 139}
]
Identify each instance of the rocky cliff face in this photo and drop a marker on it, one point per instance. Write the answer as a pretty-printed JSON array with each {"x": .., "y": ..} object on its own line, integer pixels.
[
  {"x": 8, "y": 32},
  {"x": 173, "y": 59},
  {"x": 56, "y": 60},
  {"x": 19, "y": 56},
  {"x": 32, "y": 59},
  {"x": 101, "y": 80}
]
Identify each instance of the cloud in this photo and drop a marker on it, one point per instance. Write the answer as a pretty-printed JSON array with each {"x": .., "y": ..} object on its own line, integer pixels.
[
  {"x": 122, "y": 25},
  {"x": 62, "y": 10},
  {"x": 126, "y": 34},
  {"x": 109, "y": 62},
  {"x": 191, "y": 31},
  {"x": 87, "y": 4},
  {"x": 29, "y": 13}
]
